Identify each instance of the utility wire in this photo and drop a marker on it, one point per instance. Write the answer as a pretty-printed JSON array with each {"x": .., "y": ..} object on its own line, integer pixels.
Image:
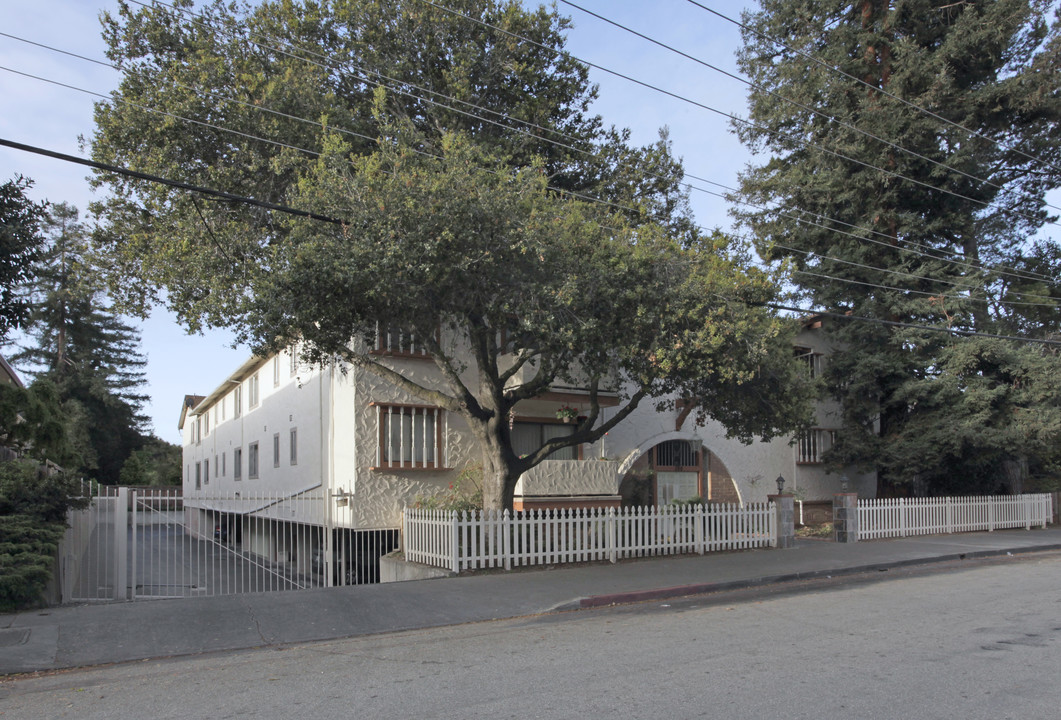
[
  {"x": 303, "y": 150},
  {"x": 733, "y": 199},
  {"x": 897, "y": 323},
  {"x": 166, "y": 181},
  {"x": 784, "y": 98},
  {"x": 323, "y": 218},
  {"x": 882, "y": 91},
  {"x": 581, "y": 196},
  {"x": 738, "y": 119}
]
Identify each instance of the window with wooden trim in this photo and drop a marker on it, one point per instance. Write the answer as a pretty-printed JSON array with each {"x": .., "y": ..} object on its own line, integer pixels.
[
  {"x": 395, "y": 341},
  {"x": 528, "y": 436},
  {"x": 813, "y": 444},
  {"x": 410, "y": 437}
]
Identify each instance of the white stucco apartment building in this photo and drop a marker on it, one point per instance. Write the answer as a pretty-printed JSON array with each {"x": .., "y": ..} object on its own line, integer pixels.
[{"x": 277, "y": 428}]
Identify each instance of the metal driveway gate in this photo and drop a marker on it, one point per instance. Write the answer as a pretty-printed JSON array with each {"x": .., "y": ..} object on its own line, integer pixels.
[{"x": 133, "y": 544}]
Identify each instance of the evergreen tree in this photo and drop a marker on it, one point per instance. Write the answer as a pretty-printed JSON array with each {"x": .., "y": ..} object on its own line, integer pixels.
[
  {"x": 20, "y": 247},
  {"x": 921, "y": 221},
  {"x": 89, "y": 353}
]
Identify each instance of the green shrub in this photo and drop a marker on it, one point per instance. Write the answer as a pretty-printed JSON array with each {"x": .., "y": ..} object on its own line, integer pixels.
[{"x": 465, "y": 494}]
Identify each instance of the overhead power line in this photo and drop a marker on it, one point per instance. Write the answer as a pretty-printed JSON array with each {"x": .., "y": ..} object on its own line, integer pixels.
[
  {"x": 166, "y": 181},
  {"x": 327, "y": 64},
  {"x": 324, "y": 218},
  {"x": 882, "y": 91},
  {"x": 578, "y": 195},
  {"x": 735, "y": 118}
]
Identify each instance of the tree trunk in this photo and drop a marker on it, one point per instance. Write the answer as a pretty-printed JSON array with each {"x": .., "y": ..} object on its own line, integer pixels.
[{"x": 499, "y": 475}]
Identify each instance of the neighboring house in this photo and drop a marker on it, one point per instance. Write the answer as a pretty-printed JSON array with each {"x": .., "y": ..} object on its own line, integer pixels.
[
  {"x": 281, "y": 428},
  {"x": 8, "y": 376}
]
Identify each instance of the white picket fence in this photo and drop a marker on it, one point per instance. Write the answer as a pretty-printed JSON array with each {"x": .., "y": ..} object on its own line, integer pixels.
[
  {"x": 485, "y": 539},
  {"x": 902, "y": 517}
]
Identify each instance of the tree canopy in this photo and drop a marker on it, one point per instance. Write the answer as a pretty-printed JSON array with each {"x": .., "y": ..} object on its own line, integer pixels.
[
  {"x": 908, "y": 146},
  {"x": 518, "y": 263},
  {"x": 20, "y": 246}
]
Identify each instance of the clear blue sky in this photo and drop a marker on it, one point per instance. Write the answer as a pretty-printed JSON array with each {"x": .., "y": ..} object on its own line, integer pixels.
[{"x": 37, "y": 113}]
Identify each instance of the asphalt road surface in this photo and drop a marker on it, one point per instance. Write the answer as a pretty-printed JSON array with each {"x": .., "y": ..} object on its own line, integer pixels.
[{"x": 981, "y": 642}]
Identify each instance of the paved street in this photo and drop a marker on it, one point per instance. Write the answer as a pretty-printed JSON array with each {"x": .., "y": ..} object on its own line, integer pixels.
[{"x": 980, "y": 641}]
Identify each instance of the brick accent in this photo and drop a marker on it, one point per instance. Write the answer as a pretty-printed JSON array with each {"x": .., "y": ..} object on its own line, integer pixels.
[{"x": 720, "y": 485}]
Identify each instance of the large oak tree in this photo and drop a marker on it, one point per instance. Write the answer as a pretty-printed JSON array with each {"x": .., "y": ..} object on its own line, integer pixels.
[{"x": 542, "y": 264}]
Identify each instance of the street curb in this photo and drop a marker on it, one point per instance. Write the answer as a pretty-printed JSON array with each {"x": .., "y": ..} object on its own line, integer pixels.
[{"x": 636, "y": 596}]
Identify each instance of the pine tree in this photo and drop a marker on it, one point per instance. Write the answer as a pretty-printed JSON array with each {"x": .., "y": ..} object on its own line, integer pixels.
[
  {"x": 90, "y": 354},
  {"x": 890, "y": 213}
]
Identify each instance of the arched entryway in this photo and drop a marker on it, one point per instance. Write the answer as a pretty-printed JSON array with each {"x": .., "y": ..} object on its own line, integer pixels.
[{"x": 676, "y": 470}]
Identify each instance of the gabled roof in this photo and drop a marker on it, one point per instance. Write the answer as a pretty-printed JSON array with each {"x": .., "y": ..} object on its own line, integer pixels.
[
  {"x": 198, "y": 404},
  {"x": 190, "y": 401},
  {"x": 8, "y": 374}
]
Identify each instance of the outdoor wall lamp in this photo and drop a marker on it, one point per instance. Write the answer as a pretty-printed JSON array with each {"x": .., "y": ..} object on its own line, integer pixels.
[{"x": 780, "y": 484}]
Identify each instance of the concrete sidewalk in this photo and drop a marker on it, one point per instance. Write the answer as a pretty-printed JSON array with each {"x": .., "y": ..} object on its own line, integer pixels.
[{"x": 97, "y": 634}]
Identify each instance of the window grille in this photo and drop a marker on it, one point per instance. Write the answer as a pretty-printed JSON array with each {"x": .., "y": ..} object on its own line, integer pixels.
[
  {"x": 814, "y": 443},
  {"x": 410, "y": 437}
]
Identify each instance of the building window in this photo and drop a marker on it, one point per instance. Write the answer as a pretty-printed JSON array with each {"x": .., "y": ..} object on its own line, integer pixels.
[
  {"x": 811, "y": 359},
  {"x": 198, "y": 475},
  {"x": 237, "y": 463},
  {"x": 252, "y": 460},
  {"x": 206, "y": 472},
  {"x": 394, "y": 341},
  {"x": 217, "y": 467},
  {"x": 410, "y": 437},
  {"x": 527, "y": 437},
  {"x": 276, "y": 450},
  {"x": 222, "y": 404},
  {"x": 813, "y": 444},
  {"x": 253, "y": 390},
  {"x": 294, "y": 359},
  {"x": 677, "y": 455},
  {"x": 197, "y": 430},
  {"x": 224, "y": 470},
  {"x": 294, "y": 446},
  {"x": 237, "y": 401},
  {"x": 276, "y": 371},
  {"x": 206, "y": 423}
]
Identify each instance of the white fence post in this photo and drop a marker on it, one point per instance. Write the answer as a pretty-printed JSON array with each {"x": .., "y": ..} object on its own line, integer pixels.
[
  {"x": 611, "y": 539},
  {"x": 454, "y": 541}
]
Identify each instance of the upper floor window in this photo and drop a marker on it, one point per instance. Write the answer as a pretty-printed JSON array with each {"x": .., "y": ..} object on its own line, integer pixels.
[
  {"x": 527, "y": 437},
  {"x": 197, "y": 430},
  {"x": 294, "y": 446},
  {"x": 198, "y": 476},
  {"x": 276, "y": 449},
  {"x": 811, "y": 359},
  {"x": 252, "y": 390},
  {"x": 276, "y": 371},
  {"x": 252, "y": 460},
  {"x": 206, "y": 423},
  {"x": 395, "y": 341},
  {"x": 237, "y": 401},
  {"x": 813, "y": 444},
  {"x": 410, "y": 437},
  {"x": 237, "y": 463}
]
